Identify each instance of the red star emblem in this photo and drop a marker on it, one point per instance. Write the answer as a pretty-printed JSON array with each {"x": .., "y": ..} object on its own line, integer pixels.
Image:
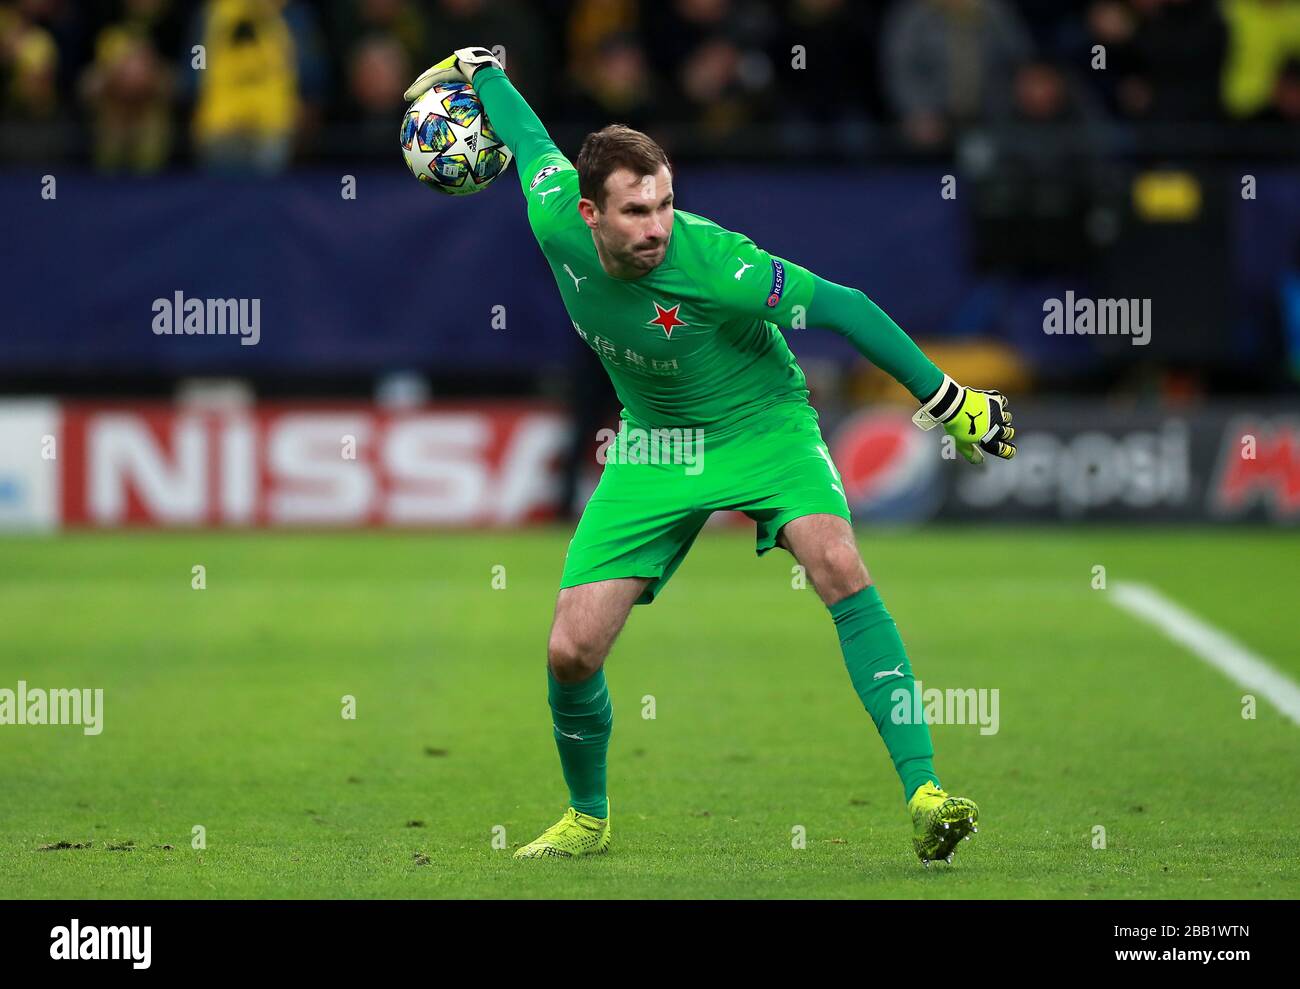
[{"x": 667, "y": 318}]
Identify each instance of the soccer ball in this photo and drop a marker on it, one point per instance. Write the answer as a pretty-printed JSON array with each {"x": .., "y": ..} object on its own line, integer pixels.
[{"x": 448, "y": 143}]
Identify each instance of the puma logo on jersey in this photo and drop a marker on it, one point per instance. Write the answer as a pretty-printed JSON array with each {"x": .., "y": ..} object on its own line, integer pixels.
[
  {"x": 897, "y": 671},
  {"x": 546, "y": 192},
  {"x": 826, "y": 455},
  {"x": 744, "y": 266},
  {"x": 576, "y": 279}
]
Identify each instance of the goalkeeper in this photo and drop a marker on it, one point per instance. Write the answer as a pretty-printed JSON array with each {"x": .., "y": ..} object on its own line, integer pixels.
[{"x": 685, "y": 316}]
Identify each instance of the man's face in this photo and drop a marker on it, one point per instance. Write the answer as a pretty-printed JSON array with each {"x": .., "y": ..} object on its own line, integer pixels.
[{"x": 637, "y": 220}]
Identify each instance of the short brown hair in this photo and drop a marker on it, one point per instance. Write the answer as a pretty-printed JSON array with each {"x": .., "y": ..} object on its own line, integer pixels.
[{"x": 611, "y": 148}]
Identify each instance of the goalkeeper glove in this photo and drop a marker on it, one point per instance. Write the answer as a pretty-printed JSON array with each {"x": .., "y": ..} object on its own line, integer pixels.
[
  {"x": 457, "y": 67},
  {"x": 978, "y": 421}
]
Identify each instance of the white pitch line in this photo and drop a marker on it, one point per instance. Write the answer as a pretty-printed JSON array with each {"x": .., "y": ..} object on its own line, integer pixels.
[{"x": 1220, "y": 650}]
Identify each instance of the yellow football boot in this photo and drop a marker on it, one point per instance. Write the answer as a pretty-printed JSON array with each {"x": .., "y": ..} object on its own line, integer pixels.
[
  {"x": 575, "y": 833},
  {"x": 939, "y": 822}
]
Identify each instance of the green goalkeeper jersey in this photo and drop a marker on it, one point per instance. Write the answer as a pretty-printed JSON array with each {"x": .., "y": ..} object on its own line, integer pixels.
[
  {"x": 696, "y": 342},
  {"x": 692, "y": 342}
]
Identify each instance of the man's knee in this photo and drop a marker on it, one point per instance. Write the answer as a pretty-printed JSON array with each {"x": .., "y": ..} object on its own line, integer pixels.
[
  {"x": 573, "y": 657},
  {"x": 840, "y": 571}
]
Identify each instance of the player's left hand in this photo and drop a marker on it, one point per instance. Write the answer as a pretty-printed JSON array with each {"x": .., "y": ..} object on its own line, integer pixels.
[
  {"x": 977, "y": 420},
  {"x": 459, "y": 66}
]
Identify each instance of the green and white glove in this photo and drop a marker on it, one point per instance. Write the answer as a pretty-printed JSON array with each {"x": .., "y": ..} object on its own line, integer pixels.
[
  {"x": 978, "y": 421},
  {"x": 457, "y": 67}
]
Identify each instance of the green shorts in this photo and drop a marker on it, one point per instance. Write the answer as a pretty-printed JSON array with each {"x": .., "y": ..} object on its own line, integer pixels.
[{"x": 657, "y": 491}]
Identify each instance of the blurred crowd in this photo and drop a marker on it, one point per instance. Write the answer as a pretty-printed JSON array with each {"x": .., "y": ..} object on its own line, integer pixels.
[{"x": 251, "y": 85}]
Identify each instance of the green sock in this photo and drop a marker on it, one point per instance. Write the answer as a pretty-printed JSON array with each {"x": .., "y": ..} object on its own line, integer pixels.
[
  {"x": 583, "y": 717},
  {"x": 871, "y": 644}
]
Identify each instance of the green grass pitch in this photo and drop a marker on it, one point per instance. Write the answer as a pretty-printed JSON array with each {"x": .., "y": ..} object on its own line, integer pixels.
[{"x": 223, "y": 709}]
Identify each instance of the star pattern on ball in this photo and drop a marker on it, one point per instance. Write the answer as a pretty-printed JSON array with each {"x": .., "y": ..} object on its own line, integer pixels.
[{"x": 470, "y": 140}]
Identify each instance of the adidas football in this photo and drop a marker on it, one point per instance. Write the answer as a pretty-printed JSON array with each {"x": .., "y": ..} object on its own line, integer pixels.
[{"x": 448, "y": 143}]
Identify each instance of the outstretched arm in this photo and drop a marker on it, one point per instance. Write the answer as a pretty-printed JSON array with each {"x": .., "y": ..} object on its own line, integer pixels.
[
  {"x": 977, "y": 420},
  {"x": 790, "y": 295},
  {"x": 852, "y": 315},
  {"x": 513, "y": 120}
]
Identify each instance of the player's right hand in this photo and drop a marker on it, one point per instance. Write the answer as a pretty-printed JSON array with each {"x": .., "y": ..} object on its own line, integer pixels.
[
  {"x": 459, "y": 66},
  {"x": 977, "y": 420}
]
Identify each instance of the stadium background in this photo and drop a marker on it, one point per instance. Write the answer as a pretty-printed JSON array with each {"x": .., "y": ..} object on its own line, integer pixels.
[
  {"x": 960, "y": 161},
  {"x": 827, "y": 131}
]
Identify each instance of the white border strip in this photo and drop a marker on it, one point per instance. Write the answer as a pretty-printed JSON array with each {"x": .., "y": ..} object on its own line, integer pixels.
[{"x": 1220, "y": 650}]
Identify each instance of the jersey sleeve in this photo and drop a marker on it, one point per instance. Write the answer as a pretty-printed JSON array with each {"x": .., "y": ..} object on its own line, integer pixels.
[
  {"x": 550, "y": 186},
  {"x": 512, "y": 118},
  {"x": 848, "y": 312},
  {"x": 743, "y": 280},
  {"x": 548, "y": 179},
  {"x": 747, "y": 281}
]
